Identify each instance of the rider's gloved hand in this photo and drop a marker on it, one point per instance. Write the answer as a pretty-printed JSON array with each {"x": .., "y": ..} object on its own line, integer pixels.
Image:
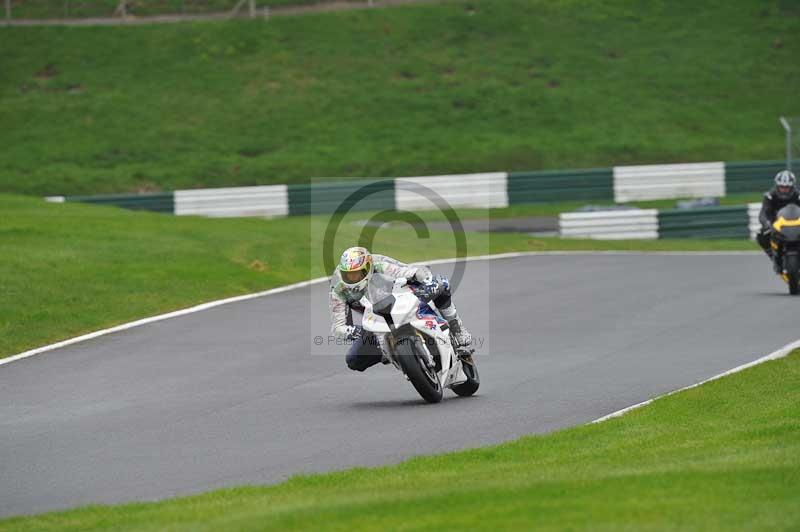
[
  {"x": 429, "y": 290},
  {"x": 356, "y": 333}
]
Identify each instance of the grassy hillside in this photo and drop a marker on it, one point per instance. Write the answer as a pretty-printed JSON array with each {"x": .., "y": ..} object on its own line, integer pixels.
[
  {"x": 723, "y": 456},
  {"x": 455, "y": 87},
  {"x": 69, "y": 269}
]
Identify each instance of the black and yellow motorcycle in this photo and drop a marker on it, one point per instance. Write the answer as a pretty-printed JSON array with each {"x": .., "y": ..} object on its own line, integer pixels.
[{"x": 786, "y": 245}]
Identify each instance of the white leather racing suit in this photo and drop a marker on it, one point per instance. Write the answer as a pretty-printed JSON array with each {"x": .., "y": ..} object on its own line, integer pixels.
[{"x": 343, "y": 298}]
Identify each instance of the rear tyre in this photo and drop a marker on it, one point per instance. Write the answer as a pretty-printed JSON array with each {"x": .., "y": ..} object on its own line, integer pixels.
[
  {"x": 412, "y": 357},
  {"x": 473, "y": 382}
]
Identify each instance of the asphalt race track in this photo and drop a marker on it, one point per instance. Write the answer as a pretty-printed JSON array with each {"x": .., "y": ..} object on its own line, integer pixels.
[{"x": 233, "y": 395}]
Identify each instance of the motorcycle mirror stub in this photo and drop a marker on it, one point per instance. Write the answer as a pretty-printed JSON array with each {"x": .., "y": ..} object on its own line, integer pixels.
[{"x": 384, "y": 306}]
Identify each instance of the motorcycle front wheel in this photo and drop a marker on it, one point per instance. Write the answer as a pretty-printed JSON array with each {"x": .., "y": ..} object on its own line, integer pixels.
[
  {"x": 792, "y": 266},
  {"x": 794, "y": 289},
  {"x": 470, "y": 386},
  {"x": 412, "y": 357}
]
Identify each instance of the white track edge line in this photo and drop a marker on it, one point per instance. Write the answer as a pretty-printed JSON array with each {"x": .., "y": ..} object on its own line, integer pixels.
[
  {"x": 159, "y": 317},
  {"x": 775, "y": 355},
  {"x": 216, "y": 303}
]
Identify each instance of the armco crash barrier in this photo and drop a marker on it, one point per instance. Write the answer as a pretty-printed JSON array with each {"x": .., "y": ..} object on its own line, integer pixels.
[
  {"x": 665, "y": 181},
  {"x": 325, "y": 198},
  {"x": 610, "y": 225},
  {"x": 486, "y": 190},
  {"x": 562, "y": 185},
  {"x": 753, "y": 210},
  {"x": 237, "y": 201},
  {"x": 470, "y": 190},
  {"x": 754, "y": 176},
  {"x": 161, "y": 202},
  {"x": 710, "y": 222}
]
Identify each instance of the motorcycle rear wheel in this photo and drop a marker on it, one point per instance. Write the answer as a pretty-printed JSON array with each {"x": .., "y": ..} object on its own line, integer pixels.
[{"x": 412, "y": 359}]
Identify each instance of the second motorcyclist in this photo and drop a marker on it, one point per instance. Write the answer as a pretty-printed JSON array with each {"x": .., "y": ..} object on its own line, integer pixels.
[{"x": 782, "y": 194}]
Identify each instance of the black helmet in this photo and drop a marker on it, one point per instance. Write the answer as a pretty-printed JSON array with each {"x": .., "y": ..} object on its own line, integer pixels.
[{"x": 785, "y": 184}]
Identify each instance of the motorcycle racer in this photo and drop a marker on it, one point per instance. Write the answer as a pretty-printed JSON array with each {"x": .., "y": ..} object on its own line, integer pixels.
[
  {"x": 782, "y": 194},
  {"x": 349, "y": 283}
]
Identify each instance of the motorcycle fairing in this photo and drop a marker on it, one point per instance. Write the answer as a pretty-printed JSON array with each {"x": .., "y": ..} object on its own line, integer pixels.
[{"x": 423, "y": 319}]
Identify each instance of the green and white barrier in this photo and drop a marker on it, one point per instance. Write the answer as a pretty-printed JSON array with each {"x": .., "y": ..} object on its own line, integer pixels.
[
  {"x": 471, "y": 190},
  {"x": 264, "y": 201},
  {"x": 706, "y": 222},
  {"x": 666, "y": 181},
  {"x": 753, "y": 210},
  {"x": 634, "y": 224},
  {"x": 484, "y": 190},
  {"x": 561, "y": 185},
  {"x": 328, "y": 197},
  {"x": 753, "y": 176},
  {"x": 160, "y": 202}
]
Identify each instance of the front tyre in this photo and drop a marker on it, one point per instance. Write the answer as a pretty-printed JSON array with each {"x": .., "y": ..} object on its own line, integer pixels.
[
  {"x": 792, "y": 266},
  {"x": 413, "y": 360},
  {"x": 470, "y": 386}
]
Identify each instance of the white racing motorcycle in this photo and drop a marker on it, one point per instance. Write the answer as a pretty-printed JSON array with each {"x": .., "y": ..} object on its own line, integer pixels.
[{"x": 417, "y": 340}]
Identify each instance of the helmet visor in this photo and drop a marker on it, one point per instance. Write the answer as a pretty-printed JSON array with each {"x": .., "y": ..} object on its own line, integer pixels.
[{"x": 354, "y": 276}]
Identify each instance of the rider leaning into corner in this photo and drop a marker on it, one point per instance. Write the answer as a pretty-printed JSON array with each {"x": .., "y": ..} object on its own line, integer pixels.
[
  {"x": 782, "y": 194},
  {"x": 349, "y": 283}
]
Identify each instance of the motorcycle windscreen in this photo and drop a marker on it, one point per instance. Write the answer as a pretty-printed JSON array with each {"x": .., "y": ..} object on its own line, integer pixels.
[
  {"x": 379, "y": 293},
  {"x": 788, "y": 223},
  {"x": 789, "y": 213}
]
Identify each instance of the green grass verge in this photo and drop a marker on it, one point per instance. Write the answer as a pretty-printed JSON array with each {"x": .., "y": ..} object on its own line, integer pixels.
[
  {"x": 69, "y": 269},
  {"x": 723, "y": 456},
  {"x": 421, "y": 90}
]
